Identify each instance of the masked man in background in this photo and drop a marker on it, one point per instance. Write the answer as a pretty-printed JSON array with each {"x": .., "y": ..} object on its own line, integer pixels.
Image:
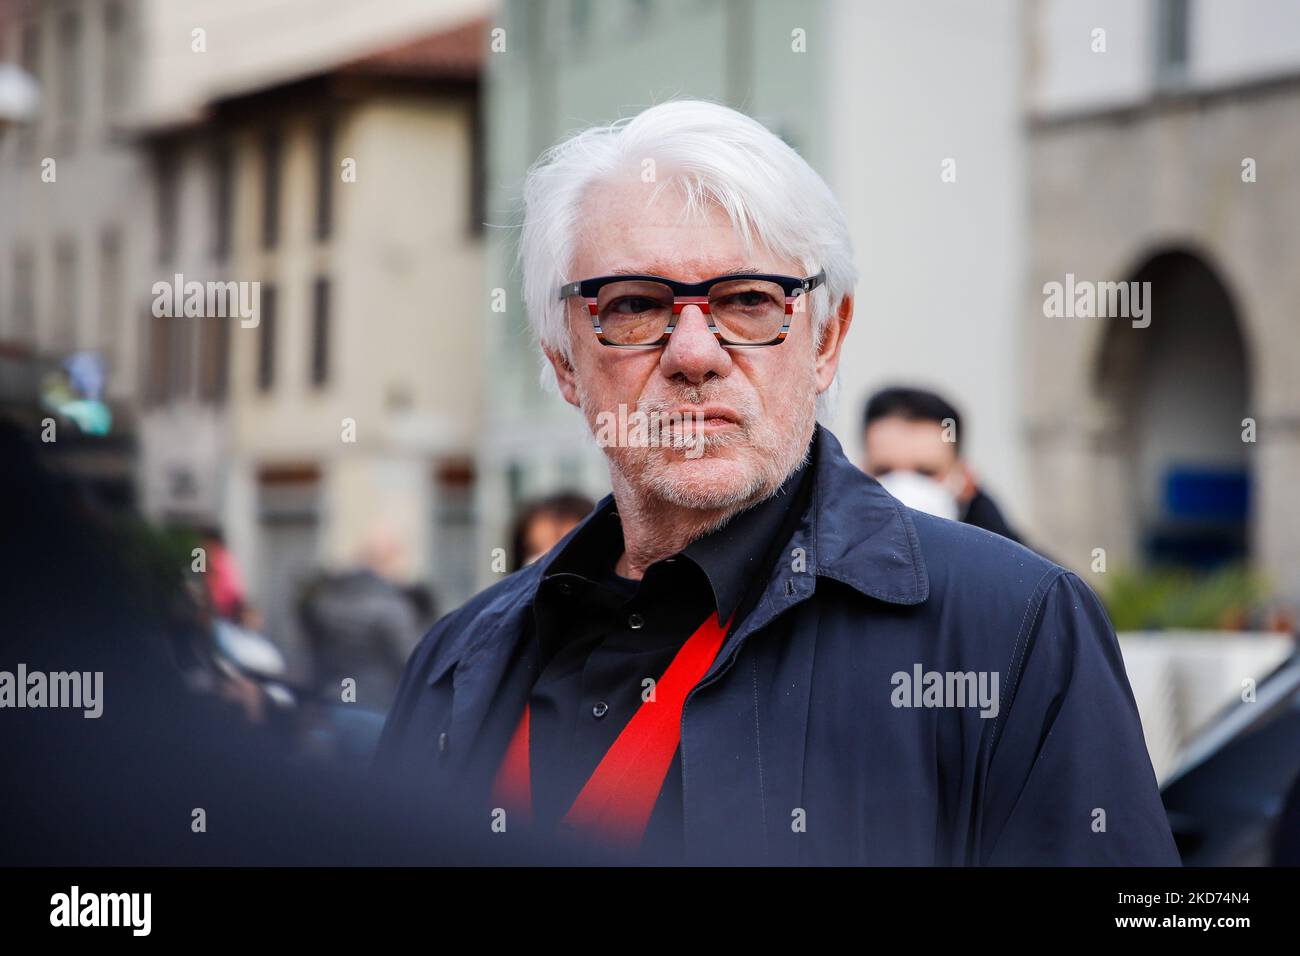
[{"x": 911, "y": 440}]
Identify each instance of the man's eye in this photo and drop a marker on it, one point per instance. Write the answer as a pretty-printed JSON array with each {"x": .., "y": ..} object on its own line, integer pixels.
[
  {"x": 633, "y": 306},
  {"x": 748, "y": 300}
]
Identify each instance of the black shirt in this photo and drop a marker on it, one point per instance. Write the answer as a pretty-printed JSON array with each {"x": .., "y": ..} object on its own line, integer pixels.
[{"x": 598, "y": 639}]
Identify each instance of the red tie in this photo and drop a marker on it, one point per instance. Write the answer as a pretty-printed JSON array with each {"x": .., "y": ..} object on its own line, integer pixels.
[{"x": 617, "y": 800}]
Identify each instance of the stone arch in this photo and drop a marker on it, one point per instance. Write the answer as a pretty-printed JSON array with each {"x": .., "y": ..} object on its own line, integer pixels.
[{"x": 1169, "y": 400}]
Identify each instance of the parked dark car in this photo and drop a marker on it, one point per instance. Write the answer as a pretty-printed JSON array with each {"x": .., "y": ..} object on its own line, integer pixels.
[{"x": 1235, "y": 799}]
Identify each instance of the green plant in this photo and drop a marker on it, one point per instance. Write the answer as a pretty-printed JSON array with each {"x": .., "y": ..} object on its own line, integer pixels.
[{"x": 1159, "y": 598}]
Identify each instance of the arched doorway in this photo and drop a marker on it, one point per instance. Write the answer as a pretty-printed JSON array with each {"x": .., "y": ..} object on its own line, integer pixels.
[{"x": 1174, "y": 395}]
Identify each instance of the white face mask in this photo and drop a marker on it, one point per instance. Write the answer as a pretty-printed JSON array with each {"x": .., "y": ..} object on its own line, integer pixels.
[{"x": 924, "y": 494}]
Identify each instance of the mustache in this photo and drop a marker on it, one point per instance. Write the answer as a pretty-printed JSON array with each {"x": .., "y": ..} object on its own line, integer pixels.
[{"x": 746, "y": 409}]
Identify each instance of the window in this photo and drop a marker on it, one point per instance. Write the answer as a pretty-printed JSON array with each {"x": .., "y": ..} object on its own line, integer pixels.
[
  {"x": 159, "y": 352},
  {"x": 266, "y": 339},
  {"x": 324, "y": 179},
  {"x": 1171, "y": 42},
  {"x": 223, "y": 193},
  {"x": 214, "y": 358},
  {"x": 167, "y": 206},
  {"x": 271, "y": 155},
  {"x": 63, "y": 334},
  {"x": 181, "y": 360},
  {"x": 24, "y": 312},
  {"x": 115, "y": 58},
  {"x": 454, "y": 525},
  {"x": 69, "y": 85},
  {"x": 110, "y": 291},
  {"x": 31, "y": 55},
  {"x": 320, "y": 332}
]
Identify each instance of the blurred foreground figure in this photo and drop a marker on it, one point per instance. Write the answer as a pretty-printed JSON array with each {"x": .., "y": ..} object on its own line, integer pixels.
[
  {"x": 173, "y": 761},
  {"x": 912, "y": 443},
  {"x": 750, "y": 652}
]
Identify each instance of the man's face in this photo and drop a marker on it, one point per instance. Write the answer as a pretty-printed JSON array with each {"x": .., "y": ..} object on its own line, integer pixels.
[
  {"x": 895, "y": 444},
  {"x": 544, "y": 531},
  {"x": 758, "y": 404}
]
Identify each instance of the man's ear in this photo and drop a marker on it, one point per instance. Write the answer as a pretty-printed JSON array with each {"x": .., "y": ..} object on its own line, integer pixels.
[
  {"x": 832, "y": 340},
  {"x": 566, "y": 376}
]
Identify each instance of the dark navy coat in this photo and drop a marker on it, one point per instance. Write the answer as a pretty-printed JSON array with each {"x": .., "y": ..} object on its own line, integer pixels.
[{"x": 821, "y": 733}]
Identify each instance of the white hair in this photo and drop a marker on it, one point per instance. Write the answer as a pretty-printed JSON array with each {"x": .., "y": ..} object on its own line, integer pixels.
[{"x": 715, "y": 155}]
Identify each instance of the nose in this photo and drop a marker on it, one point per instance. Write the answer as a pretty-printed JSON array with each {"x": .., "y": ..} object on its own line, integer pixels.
[{"x": 693, "y": 352}]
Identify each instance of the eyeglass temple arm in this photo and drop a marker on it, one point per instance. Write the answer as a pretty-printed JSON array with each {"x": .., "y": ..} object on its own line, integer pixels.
[{"x": 813, "y": 282}]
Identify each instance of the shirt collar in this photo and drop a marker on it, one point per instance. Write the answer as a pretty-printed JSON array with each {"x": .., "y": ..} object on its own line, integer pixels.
[
  {"x": 732, "y": 556},
  {"x": 853, "y": 531},
  {"x": 729, "y": 556}
]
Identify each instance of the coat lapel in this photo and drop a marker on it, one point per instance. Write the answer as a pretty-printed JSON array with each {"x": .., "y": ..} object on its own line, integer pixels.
[
  {"x": 747, "y": 735},
  {"x": 476, "y": 678}
]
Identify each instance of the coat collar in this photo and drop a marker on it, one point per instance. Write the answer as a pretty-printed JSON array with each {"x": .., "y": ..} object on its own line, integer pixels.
[{"x": 862, "y": 535}]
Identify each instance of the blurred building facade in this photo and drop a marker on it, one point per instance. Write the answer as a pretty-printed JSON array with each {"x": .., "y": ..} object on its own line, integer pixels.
[
  {"x": 1164, "y": 140},
  {"x": 979, "y": 153},
  {"x": 340, "y": 173},
  {"x": 68, "y": 179},
  {"x": 351, "y": 197}
]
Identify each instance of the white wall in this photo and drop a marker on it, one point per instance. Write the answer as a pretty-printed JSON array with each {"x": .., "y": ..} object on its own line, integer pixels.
[
  {"x": 1229, "y": 41},
  {"x": 941, "y": 263},
  {"x": 1065, "y": 73},
  {"x": 1239, "y": 39}
]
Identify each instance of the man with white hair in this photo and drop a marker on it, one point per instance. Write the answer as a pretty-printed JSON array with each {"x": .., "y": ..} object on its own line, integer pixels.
[{"x": 750, "y": 652}]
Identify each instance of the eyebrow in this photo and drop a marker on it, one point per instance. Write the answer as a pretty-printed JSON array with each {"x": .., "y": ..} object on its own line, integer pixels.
[{"x": 658, "y": 270}]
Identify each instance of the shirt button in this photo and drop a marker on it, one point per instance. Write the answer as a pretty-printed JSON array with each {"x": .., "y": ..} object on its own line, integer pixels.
[
  {"x": 635, "y": 621},
  {"x": 564, "y": 587},
  {"x": 600, "y": 710}
]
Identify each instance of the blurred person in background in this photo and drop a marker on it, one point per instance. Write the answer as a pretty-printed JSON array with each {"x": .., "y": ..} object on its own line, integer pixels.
[
  {"x": 542, "y": 523},
  {"x": 361, "y": 624},
  {"x": 174, "y": 733},
  {"x": 911, "y": 441},
  {"x": 424, "y": 602},
  {"x": 225, "y": 583}
]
